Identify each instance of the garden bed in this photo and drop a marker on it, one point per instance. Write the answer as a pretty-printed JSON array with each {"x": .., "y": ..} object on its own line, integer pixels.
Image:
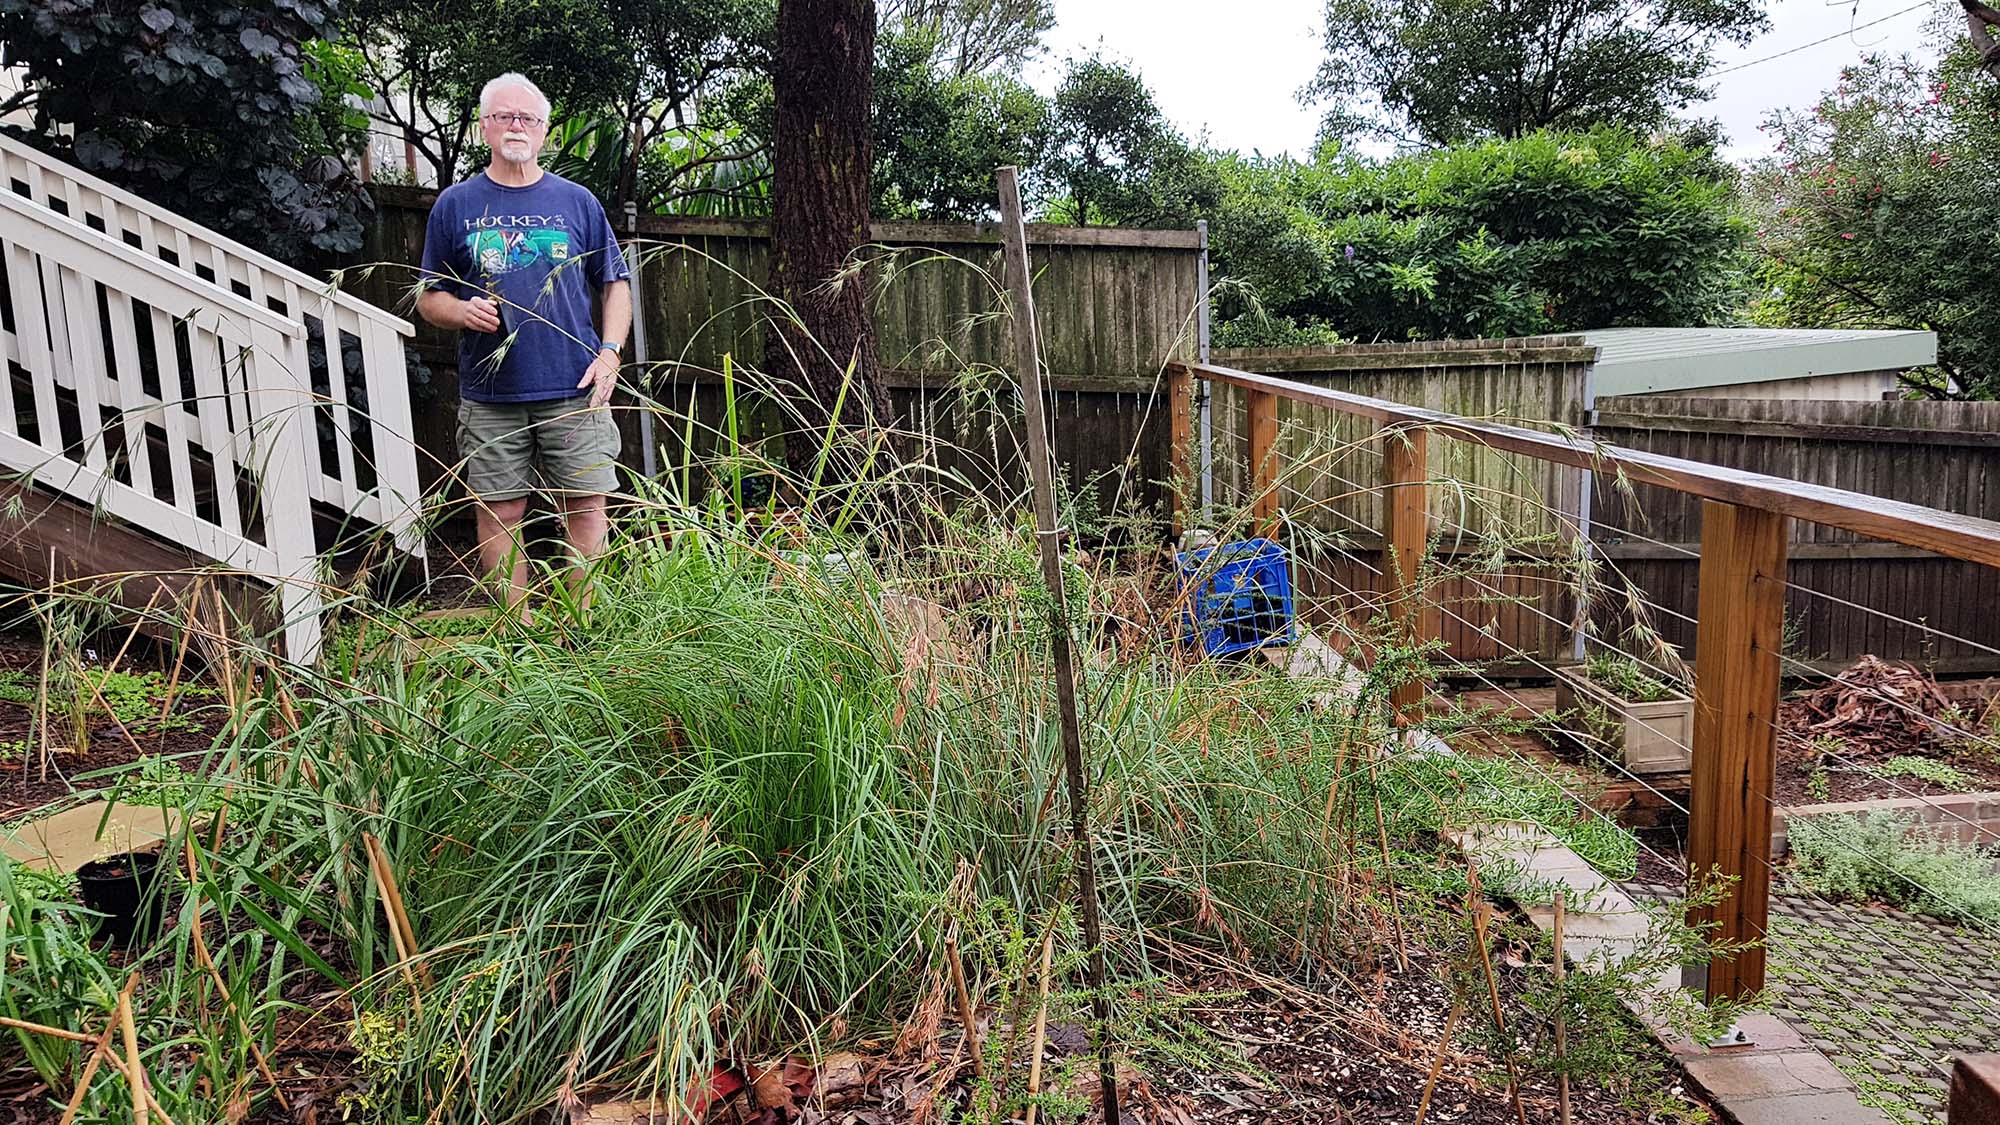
[
  {"x": 135, "y": 728},
  {"x": 735, "y": 815}
]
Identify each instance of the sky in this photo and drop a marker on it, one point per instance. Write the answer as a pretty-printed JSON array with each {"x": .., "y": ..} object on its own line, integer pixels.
[{"x": 1232, "y": 68}]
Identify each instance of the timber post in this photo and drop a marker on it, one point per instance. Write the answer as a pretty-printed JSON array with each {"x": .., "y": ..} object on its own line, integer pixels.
[
  {"x": 1740, "y": 622},
  {"x": 1405, "y": 504},
  {"x": 1180, "y": 451},
  {"x": 1263, "y": 412}
]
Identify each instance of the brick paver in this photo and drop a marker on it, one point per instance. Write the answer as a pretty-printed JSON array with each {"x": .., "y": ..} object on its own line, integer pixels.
[{"x": 1891, "y": 998}]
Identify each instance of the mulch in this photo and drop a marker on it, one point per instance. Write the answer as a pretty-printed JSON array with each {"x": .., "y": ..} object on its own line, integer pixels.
[
  {"x": 1848, "y": 727},
  {"x": 28, "y": 783}
]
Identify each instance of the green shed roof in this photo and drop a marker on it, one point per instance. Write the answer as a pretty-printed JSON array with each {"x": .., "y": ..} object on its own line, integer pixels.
[{"x": 1633, "y": 361}]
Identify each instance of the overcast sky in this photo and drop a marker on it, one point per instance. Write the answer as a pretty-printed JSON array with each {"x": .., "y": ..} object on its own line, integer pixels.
[{"x": 1232, "y": 68}]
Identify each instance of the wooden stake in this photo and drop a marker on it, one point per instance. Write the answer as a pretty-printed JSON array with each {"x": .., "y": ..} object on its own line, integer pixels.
[
  {"x": 90, "y": 1064},
  {"x": 1477, "y": 902},
  {"x": 1027, "y": 360},
  {"x": 392, "y": 906},
  {"x": 135, "y": 1070},
  {"x": 1388, "y": 873},
  {"x": 202, "y": 957},
  {"x": 44, "y": 1029},
  {"x": 1562, "y": 1027},
  {"x": 1041, "y": 1023},
  {"x": 1437, "y": 1064},
  {"x": 966, "y": 1015},
  {"x": 181, "y": 651},
  {"x": 133, "y": 635}
]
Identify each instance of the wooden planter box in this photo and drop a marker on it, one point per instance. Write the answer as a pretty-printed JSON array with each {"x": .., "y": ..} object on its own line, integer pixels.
[{"x": 1647, "y": 737}]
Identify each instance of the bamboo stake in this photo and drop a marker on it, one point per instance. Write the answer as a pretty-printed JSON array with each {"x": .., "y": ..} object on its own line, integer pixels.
[
  {"x": 1562, "y": 1025},
  {"x": 392, "y": 907},
  {"x": 1478, "y": 905},
  {"x": 44, "y": 1029},
  {"x": 966, "y": 1015},
  {"x": 136, "y": 625},
  {"x": 181, "y": 650},
  {"x": 135, "y": 1070},
  {"x": 1041, "y": 1023},
  {"x": 99, "y": 1054},
  {"x": 202, "y": 957},
  {"x": 1027, "y": 359},
  {"x": 1437, "y": 1064},
  {"x": 90, "y": 1065},
  {"x": 1388, "y": 871}
]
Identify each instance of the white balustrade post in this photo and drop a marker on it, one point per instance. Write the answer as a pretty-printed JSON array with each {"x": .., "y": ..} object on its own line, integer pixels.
[{"x": 281, "y": 408}]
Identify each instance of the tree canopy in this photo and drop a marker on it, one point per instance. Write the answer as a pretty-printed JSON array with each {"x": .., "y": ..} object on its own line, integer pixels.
[
  {"x": 1879, "y": 211},
  {"x": 1440, "y": 72}
]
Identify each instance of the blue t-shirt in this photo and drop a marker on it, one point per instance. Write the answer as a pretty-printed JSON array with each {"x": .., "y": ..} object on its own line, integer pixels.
[{"x": 538, "y": 252}]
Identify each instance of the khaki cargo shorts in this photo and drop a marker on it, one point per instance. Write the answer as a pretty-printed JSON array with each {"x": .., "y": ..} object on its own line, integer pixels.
[{"x": 573, "y": 446}]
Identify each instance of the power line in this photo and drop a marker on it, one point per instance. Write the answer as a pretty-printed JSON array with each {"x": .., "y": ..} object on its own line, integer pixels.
[{"x": 1808, "y": 46}]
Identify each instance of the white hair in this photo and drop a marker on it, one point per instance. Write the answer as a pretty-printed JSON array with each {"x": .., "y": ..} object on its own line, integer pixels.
[{"x": 520, "y": 81}]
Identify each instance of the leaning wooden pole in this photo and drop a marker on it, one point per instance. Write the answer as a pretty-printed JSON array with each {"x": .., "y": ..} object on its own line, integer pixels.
[{"x": 1027, "y": 358}]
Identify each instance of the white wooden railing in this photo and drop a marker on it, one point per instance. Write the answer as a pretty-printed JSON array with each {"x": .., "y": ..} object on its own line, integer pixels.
[{"x": 164, "y": 374}]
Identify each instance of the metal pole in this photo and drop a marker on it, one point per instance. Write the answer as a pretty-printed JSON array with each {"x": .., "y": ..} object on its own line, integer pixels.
[
  {"x": 1027, "y": 357},
  {"x": 1202, "y": 396},
  {"x": 1587, "y": 484},
  {"x": 649, "y": 458}
]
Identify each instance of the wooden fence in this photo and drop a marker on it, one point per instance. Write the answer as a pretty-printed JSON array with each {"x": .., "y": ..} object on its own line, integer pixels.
[
  {"x": 1943, "y": 455},
  {"x": 1113, "y": 307},
  {"x": 1521, "y": 604}
]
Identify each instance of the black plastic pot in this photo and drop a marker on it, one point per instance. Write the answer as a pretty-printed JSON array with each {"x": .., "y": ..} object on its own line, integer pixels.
[{"x": 130, "y": 891}]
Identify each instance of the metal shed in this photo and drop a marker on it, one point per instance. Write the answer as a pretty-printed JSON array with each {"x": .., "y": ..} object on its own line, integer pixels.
[{"x": 1853, "y": 365}]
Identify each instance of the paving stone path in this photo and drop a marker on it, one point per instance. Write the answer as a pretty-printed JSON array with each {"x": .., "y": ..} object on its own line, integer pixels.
[{"x": 1891, "y": 998}]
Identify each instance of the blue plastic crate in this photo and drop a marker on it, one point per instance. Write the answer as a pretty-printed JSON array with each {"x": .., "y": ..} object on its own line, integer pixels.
[{"x": 1244, "y": 603}]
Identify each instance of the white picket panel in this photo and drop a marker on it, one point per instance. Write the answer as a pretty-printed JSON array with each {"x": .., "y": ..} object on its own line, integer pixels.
[
  {"x": 215, "y": 263},
  {"x": 63, "y": 234}
]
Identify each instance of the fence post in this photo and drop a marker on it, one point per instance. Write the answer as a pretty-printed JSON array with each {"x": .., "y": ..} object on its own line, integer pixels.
[
  {"x": 1180, "y": 463},
  {"x": 1264, "y": 461},
  {"x": 1740, "y": 619},
  {"x": 1405, "y": 454}
]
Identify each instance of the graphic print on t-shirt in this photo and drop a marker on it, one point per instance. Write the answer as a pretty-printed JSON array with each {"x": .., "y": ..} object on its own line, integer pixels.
[{"x": 497, "y": 252}]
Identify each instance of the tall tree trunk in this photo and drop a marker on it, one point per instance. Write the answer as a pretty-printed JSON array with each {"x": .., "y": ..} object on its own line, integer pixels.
[{"x": 820, "y": 158}]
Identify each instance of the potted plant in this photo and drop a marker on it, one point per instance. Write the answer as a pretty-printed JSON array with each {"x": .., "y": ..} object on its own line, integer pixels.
[{"x": 1617, "y": 709}]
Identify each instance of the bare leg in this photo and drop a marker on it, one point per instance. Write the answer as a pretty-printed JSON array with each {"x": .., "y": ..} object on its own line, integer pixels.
[
  {"x": 500, "y": 547},
  {"x": 585, "y": 524}
]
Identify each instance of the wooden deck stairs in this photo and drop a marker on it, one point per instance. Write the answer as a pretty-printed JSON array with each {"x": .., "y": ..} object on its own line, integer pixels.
[{"x": 175, "y": 402}]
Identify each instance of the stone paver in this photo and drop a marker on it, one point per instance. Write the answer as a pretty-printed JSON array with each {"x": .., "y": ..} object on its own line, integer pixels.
[
  {"x": 1890, "y": 998},
  {"x": 70, "y": 839}
]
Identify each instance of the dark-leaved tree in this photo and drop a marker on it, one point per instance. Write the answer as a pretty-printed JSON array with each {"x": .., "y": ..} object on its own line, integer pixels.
[
  {"x": 1443, "y": 71},
  {"x": 227, "y": 111}
]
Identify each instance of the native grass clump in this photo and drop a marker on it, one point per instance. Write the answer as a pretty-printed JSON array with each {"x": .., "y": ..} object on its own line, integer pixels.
[{"x": 734, "y": 809}]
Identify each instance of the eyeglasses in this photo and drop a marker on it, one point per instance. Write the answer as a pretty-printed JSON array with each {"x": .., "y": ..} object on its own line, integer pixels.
[{"x": 518, "y": 120}]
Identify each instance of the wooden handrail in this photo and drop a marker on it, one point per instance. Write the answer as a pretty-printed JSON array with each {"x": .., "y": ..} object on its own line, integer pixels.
[
  {"x": 1947, "y": 533},
  {"x": 1739, "y": 622}
]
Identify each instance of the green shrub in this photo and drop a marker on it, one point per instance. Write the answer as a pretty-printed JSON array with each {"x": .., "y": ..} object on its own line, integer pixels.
[
  {"x": 1550, "y": 232},
  {"x": 1623, "y": 677},
  {"x": 1887, "y": 856}
]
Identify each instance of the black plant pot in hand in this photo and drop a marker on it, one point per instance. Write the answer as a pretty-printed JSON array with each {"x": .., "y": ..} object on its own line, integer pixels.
[{"x": 130, "y": 891}]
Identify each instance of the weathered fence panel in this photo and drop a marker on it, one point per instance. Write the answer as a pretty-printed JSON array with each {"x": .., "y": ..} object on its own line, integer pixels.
[
  {"x": 1479, "y": 497},
  {"x": 1942, "y": 454},
  {"x": 1113, "y": 306}
]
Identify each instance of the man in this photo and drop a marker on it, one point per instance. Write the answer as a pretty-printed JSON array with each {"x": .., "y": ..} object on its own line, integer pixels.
[{"x": 512, "y": 258}]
